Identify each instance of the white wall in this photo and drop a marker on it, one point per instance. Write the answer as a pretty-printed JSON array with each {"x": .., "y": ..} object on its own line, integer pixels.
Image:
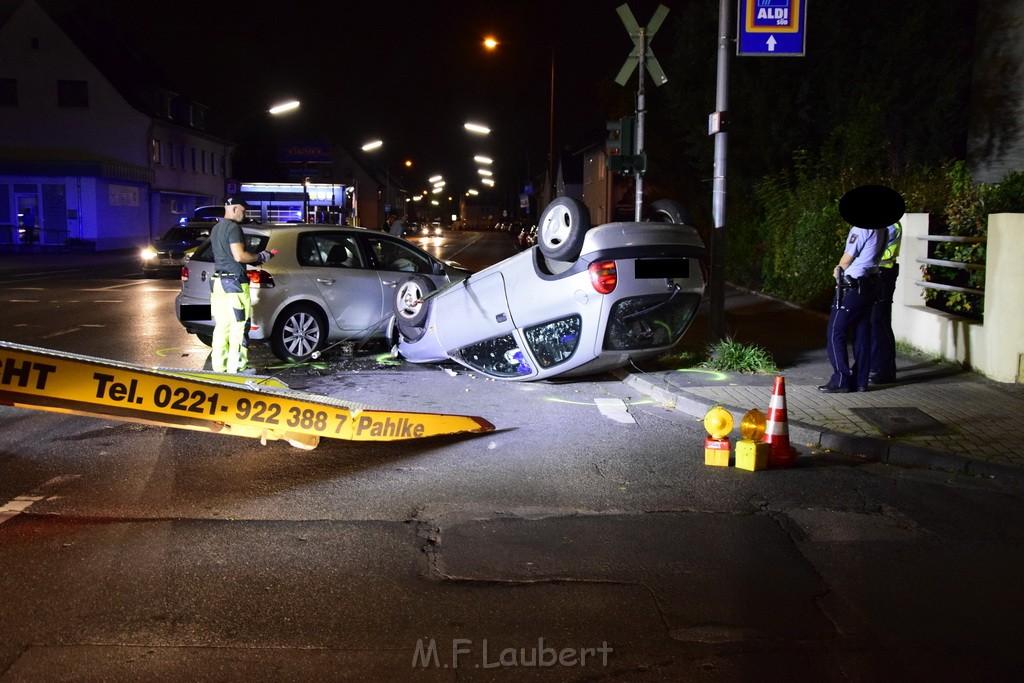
[{"x": 992, "y": 348}]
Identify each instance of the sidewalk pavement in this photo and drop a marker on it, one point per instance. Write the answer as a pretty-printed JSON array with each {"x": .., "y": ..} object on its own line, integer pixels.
[{"x": 937, "y": 415}]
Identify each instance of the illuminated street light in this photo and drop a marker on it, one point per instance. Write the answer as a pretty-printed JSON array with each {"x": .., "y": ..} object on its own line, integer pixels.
[
  {"x": 477, "y": 128},
  {"x": 440, "y": 183},
  {"x": 482, "y": 159},
  {"x": 471, "y": 191},
  {"x": 283, "y": 107},
  {"x": 372, "y": 145},
  {"x": 491, "y": 43},
  {"x": 484, "y": 172},
  {"x": 434, "y": 179},
  {"x": 487, "y": 181}
]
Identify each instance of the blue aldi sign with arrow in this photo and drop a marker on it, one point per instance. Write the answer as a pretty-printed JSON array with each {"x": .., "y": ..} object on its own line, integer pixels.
[{"x": 771, "y": 28}]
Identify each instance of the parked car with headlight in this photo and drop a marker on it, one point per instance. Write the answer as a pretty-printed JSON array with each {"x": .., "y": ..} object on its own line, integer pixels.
[
  {"x": 582, "y": 300},
  {"x": 328, "y": 283},
  {"x": 168, "y": 252}
]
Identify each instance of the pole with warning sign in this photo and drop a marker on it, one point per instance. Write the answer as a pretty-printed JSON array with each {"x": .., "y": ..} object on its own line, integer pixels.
[
  {"x": 640, "y": 57},
  {"x": 254, "y": 407}
]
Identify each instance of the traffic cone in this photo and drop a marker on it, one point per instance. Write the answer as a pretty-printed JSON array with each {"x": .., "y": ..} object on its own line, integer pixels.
[{"x": 777, "y": 431}]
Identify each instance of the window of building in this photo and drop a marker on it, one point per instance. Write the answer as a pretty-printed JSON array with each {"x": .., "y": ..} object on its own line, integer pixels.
[
  {"x": 72, "y": 93},
  {"x": 205, "y": 168},
  {"x": 155, "y": 151},
  {"x": 8, "y": 92},
  {"x": 195, "y": 165},
  {"x": 170, "y": 154}
]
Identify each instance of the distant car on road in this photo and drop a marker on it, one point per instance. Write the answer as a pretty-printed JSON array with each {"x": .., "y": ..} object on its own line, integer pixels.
[
  {"x": 432, "y": 229},
  {"x": 327, "y": 283},
  {"x": 168, "y": 251},
  {"x": 582, "y": 300}
]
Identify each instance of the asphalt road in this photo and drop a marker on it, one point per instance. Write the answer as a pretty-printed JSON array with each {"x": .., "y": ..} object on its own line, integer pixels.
[{"x": 584, "y": 539}]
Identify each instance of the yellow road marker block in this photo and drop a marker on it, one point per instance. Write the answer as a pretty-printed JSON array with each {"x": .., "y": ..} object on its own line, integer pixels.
[
  {"x": 256, "y": 407},
  {"x": 718, "y": 422},
  {"x": 751, "y": 452}
]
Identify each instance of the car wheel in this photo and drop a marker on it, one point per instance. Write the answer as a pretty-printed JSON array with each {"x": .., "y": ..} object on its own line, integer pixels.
[
  {"x": 410, "y": 309},
  {"x": 561, "y": 229},
  {"x": 299, "y": 331},
  {"x": 668, "y": 211},
  {"x": 205, "y": 338}
]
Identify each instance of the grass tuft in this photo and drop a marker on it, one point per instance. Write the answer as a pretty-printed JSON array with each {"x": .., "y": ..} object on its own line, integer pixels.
[{"x": 728, "y": 355}]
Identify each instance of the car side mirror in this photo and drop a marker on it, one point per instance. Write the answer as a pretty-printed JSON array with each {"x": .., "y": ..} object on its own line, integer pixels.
[{"x": 438, "y": 268}]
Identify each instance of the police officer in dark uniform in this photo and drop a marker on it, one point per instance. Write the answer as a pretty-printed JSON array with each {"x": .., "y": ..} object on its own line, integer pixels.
[
  {"x": 883, "y": 341},
  {"x": 857, "y": 288}
]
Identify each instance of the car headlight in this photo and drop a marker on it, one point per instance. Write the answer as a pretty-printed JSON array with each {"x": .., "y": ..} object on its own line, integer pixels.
[{"x": 148, "y": 253}]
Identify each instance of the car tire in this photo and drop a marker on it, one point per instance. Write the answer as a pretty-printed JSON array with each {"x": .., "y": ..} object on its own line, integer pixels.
[
  {"x": 562, "y": 226},
  {"x": 299, "y": 331},
  {"x": 409, "y": 307},
  {"x": 205, "y": 338},
  {"x": 668, "y": 211}
]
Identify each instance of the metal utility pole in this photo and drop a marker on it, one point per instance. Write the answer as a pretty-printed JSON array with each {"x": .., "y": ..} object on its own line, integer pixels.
[
  {"x": 716, "y": 313},
  {"x": 641, "y": 106}
]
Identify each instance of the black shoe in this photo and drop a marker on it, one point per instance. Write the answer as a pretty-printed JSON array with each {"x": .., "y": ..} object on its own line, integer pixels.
[
  {"x": 864, "y": 388},
  {"x": 832, "y": 389},
  {"x": 881, "y": 380}
]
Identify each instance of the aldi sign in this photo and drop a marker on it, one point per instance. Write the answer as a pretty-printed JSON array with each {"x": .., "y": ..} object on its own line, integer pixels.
[{"x": 771, "y": 28}]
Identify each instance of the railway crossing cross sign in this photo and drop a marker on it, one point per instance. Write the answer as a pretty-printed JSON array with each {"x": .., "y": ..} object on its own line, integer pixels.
[{"x": 641, "y": 45}]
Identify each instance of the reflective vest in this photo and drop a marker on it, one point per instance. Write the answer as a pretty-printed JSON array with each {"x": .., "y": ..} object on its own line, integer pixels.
[{"x": 892, "y": 248}]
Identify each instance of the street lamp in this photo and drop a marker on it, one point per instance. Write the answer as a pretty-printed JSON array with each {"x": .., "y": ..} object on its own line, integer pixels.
[
  {"x": 477, "y": 128},
  {"x": 283, "y": 108}
]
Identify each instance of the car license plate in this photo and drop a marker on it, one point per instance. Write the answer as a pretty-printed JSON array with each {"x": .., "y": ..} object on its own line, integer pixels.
[{"x": 648, "y": 268}]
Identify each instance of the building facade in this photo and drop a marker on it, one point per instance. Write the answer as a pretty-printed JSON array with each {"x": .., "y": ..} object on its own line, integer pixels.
[{"x": 95, "y": 148}]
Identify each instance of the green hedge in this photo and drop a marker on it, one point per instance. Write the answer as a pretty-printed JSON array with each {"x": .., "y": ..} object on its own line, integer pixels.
[{"x": 787, "y": 239}]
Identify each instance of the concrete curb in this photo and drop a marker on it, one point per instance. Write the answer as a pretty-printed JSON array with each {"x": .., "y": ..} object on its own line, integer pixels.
[{"x": 876, "y": 448}]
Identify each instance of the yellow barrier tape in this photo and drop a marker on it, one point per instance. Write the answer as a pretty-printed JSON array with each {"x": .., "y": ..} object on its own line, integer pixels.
[{"x": 39, "y": 378}]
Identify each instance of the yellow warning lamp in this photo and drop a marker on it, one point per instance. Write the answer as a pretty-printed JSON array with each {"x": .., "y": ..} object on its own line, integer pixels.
[
  {"x": 753, "y": 425},
  {"x": 751, "y": 452},
  {"x": 718, "y": 422}
]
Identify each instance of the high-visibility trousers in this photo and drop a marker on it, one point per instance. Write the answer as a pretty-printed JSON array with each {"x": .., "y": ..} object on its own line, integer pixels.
[{"x": 232, "y": 316}]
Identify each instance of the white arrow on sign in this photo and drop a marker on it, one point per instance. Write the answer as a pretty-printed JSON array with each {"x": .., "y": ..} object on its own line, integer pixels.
[{"x": 771, "y": 43}]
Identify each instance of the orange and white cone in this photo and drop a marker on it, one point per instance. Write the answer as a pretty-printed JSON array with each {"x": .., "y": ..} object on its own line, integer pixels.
[{"x": 777, "y": 430}]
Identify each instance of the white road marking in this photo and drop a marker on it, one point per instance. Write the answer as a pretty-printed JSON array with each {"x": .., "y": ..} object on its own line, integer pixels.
[
  {"x": 16, "y": 506},
  {"x": 614, "y": 409}
]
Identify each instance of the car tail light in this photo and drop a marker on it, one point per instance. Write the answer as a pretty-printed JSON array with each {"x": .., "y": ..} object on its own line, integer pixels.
[
  {"x": 261, "y": 279},
  {"x": 184, "y": 273},
  {"x": 603, "y": 276}
]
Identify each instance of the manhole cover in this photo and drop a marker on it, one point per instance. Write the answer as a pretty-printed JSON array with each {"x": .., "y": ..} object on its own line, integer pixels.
[{"x": 902, "y": 421}]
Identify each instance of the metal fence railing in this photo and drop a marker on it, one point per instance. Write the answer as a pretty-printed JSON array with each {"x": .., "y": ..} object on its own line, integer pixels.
[{"x": 925, "y": 284}]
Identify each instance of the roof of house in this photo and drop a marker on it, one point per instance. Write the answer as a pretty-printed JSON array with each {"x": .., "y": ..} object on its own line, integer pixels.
[{"x": 93, "y": 29}]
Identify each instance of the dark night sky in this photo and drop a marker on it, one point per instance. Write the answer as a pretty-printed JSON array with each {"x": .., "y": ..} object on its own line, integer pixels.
[{"x": 407, "y": 72}]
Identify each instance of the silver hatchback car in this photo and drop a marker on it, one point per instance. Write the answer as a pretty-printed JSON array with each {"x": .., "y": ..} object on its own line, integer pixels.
[
  {"x": 328, "y": 283},
  {"x": 582, "y": 300}
]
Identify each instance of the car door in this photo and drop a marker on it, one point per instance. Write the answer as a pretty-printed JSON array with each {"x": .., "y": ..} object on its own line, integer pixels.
[
  {"x": 395, "y": 258},
  {"x": 349, "y": 288}
]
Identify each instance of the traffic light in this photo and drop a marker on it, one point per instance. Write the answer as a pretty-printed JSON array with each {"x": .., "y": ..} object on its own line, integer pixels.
[
  {"x": 613, "y": 145},
  {"x": 621, "y": 135},
  {"x": 620, "y": 152}
]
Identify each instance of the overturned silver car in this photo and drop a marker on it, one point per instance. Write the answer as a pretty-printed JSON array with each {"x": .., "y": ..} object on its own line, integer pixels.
[{"x": 583, "y": 300}]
